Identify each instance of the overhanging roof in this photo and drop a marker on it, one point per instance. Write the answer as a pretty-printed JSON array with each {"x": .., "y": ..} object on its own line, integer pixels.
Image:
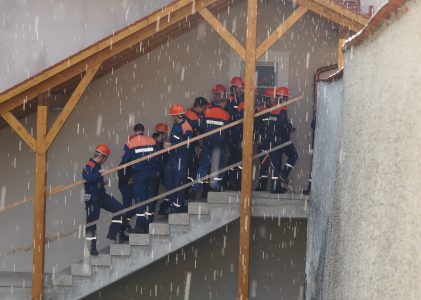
[{"x": 139, "y": 38}]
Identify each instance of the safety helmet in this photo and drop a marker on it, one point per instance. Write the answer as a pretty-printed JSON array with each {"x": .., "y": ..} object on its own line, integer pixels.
[
  {"x": 270, "y": 92},
  {"x": 237, "y": 81},
  {"x": 161, "y": 127},
  {"x": 177, "y": 109},
  {"x": 219, "y": 89},
  {"x": 103, "y": 149},
  {"x": 282, "y": 91}
]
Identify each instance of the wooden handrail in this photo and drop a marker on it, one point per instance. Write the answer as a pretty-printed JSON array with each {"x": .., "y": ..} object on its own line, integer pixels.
[
  {"x": 80, "y": 228},
  {"x": 60, "y": 189}
]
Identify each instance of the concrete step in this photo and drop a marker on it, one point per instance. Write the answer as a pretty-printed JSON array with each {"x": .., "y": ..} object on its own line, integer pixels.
[
  {"x": 101, "y": 260},
  {"x": 81, "y": 270},
  {"x": 120, "y": 249},
  {"x": 139, "y": 239},
  {"x": 159, "y": 229},
  {"x": 62, "y": 280},
  {"x": 223, "y": 198},
  {"x": 198, "y": 208},
  {"x": 179, "y": 219}
]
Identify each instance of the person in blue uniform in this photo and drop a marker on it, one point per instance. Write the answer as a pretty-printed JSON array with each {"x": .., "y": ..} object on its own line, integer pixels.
[
  {"x": 97, "y": 198},
  {"x": 145, "y": 176},
  {"x": 215, "y": 116},
  {"x": 176, "y": 167},
  {"x": 279, "y": 132}
]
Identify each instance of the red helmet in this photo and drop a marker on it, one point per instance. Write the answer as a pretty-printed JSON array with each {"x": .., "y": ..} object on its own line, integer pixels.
[
  {"x": 103, "y": 149},
  {"x": 237, "y": 81},
  {"x": 283, "y": 91},
  {"x": 161, "y": 127},
  {"x": 270, "y": 92},
  {"x": 219, "y": 89},
  {"x": 177, "y": 109}
]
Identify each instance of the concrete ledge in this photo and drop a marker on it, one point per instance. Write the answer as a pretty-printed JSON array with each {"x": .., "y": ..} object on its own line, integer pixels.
[
  {"x": 179, "y": 219},
  {"x": 63, "y": 280},
  {"x": 198, "y": 208},
  {"x": 80, "y": 270},
  {"x": 120, "y": 249},
  {"x": 159, "y": 229},
  {"x": 101, "y": 260},
  {"x": 139, "y": 239}
]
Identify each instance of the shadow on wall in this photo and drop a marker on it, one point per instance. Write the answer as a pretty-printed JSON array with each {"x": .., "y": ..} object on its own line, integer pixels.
[{"x": 277, "y": 266}]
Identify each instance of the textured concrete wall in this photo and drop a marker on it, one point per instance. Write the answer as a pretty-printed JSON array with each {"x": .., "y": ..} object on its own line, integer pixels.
[
  {"x": 277, "y": 266},
  {"x": 374, "y": 230},
  {"x": 324, "y": 176},
  {"x": 142, "y": 91},
  {"x": 37, "y": 34}
]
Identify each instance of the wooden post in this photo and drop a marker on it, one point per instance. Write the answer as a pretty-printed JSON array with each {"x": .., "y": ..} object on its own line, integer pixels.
[
  {"x": 39, "y": 200},
  {"x": 245, "y": 209}
]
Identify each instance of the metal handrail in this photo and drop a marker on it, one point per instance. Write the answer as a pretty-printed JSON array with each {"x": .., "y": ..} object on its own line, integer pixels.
[{"x": 60, "y": 188}]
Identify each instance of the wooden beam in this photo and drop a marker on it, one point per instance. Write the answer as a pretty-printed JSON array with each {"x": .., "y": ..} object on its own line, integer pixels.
[
  {"x": 70, "y": 69},
  {"x": 39, "y": 200},
  {"x": 341, "y": 10},
  {"x": 331, "y": 15},
  {"x": 280, "y": 31},
  {"x": 221, "y": 30},
  {"x": 71, "y": 104},
  {"x": 19, "y": 129},
  {"x": 247, "y": 172},
  {"x": 107, "y": 42}
]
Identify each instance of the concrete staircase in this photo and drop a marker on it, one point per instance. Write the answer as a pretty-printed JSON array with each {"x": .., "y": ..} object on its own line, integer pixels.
[{"x": 165, "y": 236}]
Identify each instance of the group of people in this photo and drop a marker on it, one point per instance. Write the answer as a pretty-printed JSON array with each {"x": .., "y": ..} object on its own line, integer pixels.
[{"x": 191, "y": 160}]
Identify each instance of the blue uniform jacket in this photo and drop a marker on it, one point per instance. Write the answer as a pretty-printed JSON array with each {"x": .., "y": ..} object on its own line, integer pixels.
[
  {"x": 214, "y": 117},
  {"x": 139, "y": 146},
  {"x": 94, "y": 182},
  {"x": 279, "y": 127},
  {"x": 180, "y": 132}
]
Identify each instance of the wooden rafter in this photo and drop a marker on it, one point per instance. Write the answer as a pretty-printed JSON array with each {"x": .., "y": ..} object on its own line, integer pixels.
[
  {"x": 20, "y": 129},
  {"x": 70, "y": 105},
  {"x": 108, "y": 48},
  {"x": 223, "y": 32},
  {"x": 280, "y": 31},
  {"x": 39, "y": 200},
  {"x": 335, "y": 13}
]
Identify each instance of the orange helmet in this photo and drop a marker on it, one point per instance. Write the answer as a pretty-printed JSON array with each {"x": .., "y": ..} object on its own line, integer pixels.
[
  {"x": 237, "y": 81},
  {"x": 270, "y": 92},
  {"x": 176, "y": 110},
  {"x": 103, "y": 149},
  {"x": 283, "y": 91},
  {"x": 219, "y": 89},
  {"x": 161, "y": 127}
]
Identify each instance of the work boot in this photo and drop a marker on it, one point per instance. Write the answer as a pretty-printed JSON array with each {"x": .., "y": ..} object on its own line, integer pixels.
[
  {"x": 139, "y": 230},
  {"x": 93, "y": 252},
  {"x": 306, "y": 192},
  {"x": 177, "y": 210},
  {"x": 260, "y": 189},
  {"x": 194, "y": 195},
  {"x": 163, "y": 208},
  {"x": 120, "y": 237}
]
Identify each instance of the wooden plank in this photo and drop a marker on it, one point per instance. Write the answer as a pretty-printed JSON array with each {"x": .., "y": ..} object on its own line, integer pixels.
[
  {"x": 329, "y": 14},
  {"x": 39, "y": 200},
  {"x": 221, "y": 30},
  {"x": 247, "y": 171},
  {"x": 107, "y": 42},
  {"x": 341, "y": 10},
  {"x": 71, "y": 104},
  {"x": 280, "y": 31},
  {"x": 117, "y": 47},
  {"x": 19, "y": 129}
]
